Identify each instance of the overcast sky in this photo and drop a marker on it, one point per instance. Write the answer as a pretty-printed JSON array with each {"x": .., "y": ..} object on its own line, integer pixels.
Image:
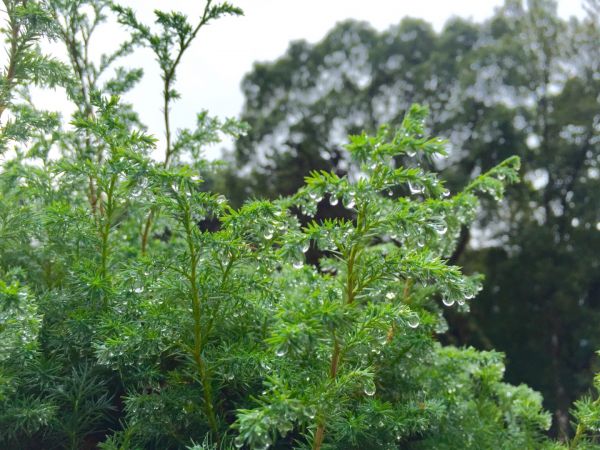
[{"x": 211, "y": 71}]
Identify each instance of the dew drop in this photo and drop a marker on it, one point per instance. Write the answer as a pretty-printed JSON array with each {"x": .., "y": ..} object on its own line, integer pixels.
[
  {"x": 441, "y": 229},
  {"x": 268, "y": 234},
  {"x": 281, "y": 351},
  {"x": 448, "y": 301},
  {"x": 348, "y": 200},
  {"x": 369, "y": 388},
  {"x": 415, "y": 189},
  {"x": 413, "y": 320},
  {"x": 333, "y": 200},
  {"x": 390, "y": 295},
  {"x": 298, "y": 264}
]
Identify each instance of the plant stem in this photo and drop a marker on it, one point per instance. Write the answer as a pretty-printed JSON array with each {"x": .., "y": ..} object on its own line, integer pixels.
[
  {"x": 168, "y": 77},
  {"x": 578, "y": 434},
  {"x": 203, "y": 371},
  {"x": 215, "y": 313},
  {"x": 319, "y": 435},
  {"x": 350, "y": 293},
  {"x": 405, "y": 297},
  {"x": 580, "y": 430},
  {"x": 81, "y": 65},
  {"x": 146, "y": 231},
  {"x": 107, "y": 220},
  {"x": 168, "y": 152},
  {"x": 13, "y": 57},
  {"x": 105, "y": 229},
  {"x": 104, "y": 252}
]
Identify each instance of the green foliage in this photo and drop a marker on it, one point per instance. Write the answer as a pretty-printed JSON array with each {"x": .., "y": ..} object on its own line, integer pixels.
[
  {"x": 215, "y": 331},
  {"x": 169, "y": 44},
  {"x": 524, "y": 82},
  {"x": 343, "y": 336},
  {"x": 27, "y": 22},
  {"x": 587, "y": 416}
]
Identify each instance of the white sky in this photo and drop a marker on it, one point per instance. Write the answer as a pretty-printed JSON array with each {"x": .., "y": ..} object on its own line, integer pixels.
[{"x": 212, "y": 69}]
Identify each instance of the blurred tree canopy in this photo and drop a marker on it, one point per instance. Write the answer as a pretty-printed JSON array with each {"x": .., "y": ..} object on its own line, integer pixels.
[{"x": 524, "y": 82}]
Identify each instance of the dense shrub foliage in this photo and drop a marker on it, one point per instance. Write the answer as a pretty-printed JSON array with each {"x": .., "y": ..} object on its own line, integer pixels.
[
  {"x": 138, "y": 310},
  {"x": 523, "y": 82}
]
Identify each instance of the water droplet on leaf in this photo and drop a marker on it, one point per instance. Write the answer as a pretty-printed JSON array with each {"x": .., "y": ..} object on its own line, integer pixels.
[
  {"x": 413, "y": 320},
  {"x": 414, "y": 188},
  {"x": 369, "y": 388},
  {"x": 349, "y": 201},
  {"x": 448, "y": 301}
]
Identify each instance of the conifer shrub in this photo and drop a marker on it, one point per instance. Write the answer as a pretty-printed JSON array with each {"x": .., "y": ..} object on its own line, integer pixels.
[{"x": 140, "y": 310}]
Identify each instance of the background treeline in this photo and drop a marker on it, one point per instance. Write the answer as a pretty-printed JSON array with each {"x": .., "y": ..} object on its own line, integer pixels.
[{"x": 524, "y": 82}]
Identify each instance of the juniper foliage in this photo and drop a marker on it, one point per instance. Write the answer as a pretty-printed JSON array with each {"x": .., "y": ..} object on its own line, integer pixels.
[{"x": 214, "y": 331}]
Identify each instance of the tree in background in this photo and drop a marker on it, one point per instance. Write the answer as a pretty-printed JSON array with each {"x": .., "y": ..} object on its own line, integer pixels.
[{"x": 524, "y": 82}]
